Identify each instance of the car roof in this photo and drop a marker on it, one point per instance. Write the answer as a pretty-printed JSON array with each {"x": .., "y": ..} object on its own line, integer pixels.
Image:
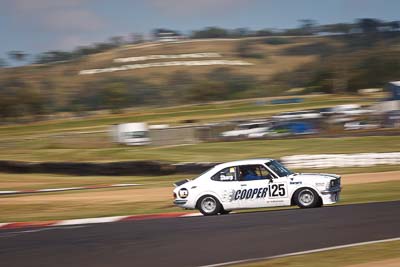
[{"x": 244, "y": 162}]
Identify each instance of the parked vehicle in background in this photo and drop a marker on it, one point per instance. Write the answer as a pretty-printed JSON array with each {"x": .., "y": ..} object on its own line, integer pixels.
[
  {"x": 297, "y": 115},
  {"x": 131, "y": 133},
  {"x": 360, "y": 125},
  {"x": 286, "y": 129},
  {"x": 351, "y": 110},
  {"x": 247, "y": 129}
]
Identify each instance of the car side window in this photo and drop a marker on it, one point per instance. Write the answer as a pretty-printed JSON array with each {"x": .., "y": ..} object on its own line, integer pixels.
[
  {"x": 226, "y": 175},
  {"x": 253, "y": 172}
]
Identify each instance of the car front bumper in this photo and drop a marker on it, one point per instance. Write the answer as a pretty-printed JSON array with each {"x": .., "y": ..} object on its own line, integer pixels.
[
  {"x": 332, "y": 190},
  {"x": 331, "y": 196}
]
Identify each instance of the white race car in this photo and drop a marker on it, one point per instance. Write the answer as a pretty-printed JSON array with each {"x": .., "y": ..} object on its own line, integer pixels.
[{"x": 255, "y": 183}]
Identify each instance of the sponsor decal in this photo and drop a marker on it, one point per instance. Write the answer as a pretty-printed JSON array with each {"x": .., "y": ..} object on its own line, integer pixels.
[
  {"x": 298, "y": 182},
  {"x": 274, "y": 190},
  {"x": 228, "y": 177}
]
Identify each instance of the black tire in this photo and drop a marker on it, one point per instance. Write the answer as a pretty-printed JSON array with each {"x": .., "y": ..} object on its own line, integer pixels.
[
  {"x": 209, "y": 205},
  {"x": 307, "y": 198}
]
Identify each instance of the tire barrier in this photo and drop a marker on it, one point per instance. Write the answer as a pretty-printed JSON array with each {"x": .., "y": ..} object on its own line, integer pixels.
[
  {"x": 156, "y": 168},
  {"x": 193, "y": 167},
  {"x": 89, "y": 168}
]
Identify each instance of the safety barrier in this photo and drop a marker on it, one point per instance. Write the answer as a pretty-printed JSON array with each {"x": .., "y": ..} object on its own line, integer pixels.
[{"x": 320, "y": 161}]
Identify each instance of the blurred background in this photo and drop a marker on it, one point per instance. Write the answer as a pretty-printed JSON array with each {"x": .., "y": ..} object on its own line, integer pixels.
[{"x": 183, "y": 85}]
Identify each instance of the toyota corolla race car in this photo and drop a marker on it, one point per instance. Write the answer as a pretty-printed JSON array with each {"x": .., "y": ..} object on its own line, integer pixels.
[{"x": 255, "y": 183}]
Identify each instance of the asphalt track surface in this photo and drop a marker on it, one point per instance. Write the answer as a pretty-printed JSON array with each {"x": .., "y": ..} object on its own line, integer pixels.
[{"x": 195, "y": 241}]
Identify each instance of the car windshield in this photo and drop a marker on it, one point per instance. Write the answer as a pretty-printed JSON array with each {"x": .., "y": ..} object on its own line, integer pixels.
[
  {"x": 278, "y": 168},
  {"x": 137, "y": 134}
]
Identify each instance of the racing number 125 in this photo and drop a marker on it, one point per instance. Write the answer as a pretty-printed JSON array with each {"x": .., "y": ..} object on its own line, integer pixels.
[{"x": 277, "y": 190}]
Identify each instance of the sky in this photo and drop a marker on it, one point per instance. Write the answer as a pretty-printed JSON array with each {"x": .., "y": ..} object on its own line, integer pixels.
[{"x": 36, "y": 26}]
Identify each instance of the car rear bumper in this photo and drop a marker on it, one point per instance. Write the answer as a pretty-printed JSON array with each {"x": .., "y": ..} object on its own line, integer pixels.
[{"x": 180, "y": 202}]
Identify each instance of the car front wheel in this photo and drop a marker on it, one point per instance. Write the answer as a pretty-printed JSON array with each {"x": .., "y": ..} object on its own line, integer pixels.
[
  {"x": 307, "y": 198},
  {"x": 209, "y": 205}
]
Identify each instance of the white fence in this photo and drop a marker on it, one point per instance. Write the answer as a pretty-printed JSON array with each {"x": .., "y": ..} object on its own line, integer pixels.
[
  {"x": 320, "y": 161},
  {"x": 178, "y": 56},
  {"x": 166, "y": 64}
]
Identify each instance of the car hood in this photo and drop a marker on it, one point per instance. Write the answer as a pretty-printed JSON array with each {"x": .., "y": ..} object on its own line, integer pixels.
[{"x": 315, "y": 176}]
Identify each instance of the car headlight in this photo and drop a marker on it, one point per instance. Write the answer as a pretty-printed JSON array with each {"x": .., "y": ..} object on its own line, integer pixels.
[
  {"x": 183, "y": 193},
  {"x": 334, "y": 183}
]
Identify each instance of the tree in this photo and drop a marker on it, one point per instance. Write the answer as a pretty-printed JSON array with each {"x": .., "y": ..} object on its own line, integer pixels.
[
  {"x": 17, "y": 55},
  {"x": 266, "y": 32},
  {"x": 308, "y": 26},
  {"x": 3, "y": 63},
  {"x": 394, "y": 25},
  {"x": 137, "y": 38},
  {"x": 368, "y": 25},
  {"x": 117, "y": 40},
  {"x": 211, "y": 32},
  {"x": 53, "y": 56},
  {"x": 114, "y": 95},
  {"x": 344, "y": 28},
  {"x": 240, "y": 32}
]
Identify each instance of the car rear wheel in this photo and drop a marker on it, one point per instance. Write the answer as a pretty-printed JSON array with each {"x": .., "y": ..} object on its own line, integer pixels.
[
  {"x": 307, "y": 198},
  {"x": 209, "y": 205}
]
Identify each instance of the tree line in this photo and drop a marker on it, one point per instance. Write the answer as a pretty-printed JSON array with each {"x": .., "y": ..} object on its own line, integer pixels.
[{"x": 306, "y": 27}]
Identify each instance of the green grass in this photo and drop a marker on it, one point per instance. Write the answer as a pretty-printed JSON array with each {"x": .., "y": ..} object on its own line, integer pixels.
[
  {"x": 63, "y": 210},
  {"x": 93, "y": 203},
  {"x": 206, "y": 152},
  {"x": 371, "y": 192},
  {"x": 42, "y": 181},
  {"x": 337, "y": 257},
  {"x": 9, "y": 181}
]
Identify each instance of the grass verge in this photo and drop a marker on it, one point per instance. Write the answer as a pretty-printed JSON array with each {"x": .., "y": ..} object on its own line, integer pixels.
[
  {"x": 337, "y": 257},
  {"x": 206, "y": 152},
  {"x": 43, "y": 181},
  {"x": 175, "y": 115}
]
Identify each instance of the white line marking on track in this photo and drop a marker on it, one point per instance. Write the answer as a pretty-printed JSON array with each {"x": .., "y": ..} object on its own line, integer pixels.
[
  {"x": 90, "y": 220},
  {"x": 300, "y": 252},
  {"x": 122, "y": 185},
  {"x": 192, "y": 214}
]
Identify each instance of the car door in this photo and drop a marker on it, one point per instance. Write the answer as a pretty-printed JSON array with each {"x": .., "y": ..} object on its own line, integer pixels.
[
  {"x": 278, "y": 190},
  {"x": 263, "y": 189},
  {"x": 225, "y": 184}
]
